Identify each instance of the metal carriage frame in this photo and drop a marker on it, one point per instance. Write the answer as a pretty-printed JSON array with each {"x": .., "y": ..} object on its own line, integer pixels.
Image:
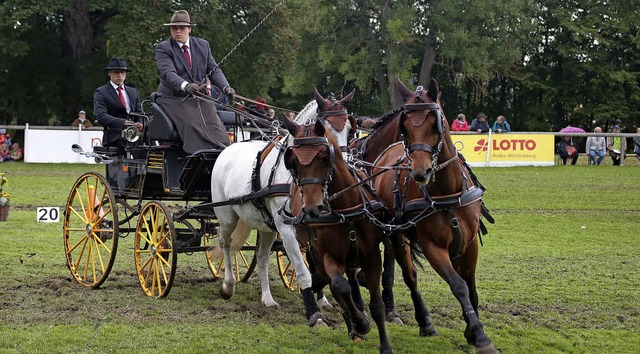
[{"x": 131, "y": 198}]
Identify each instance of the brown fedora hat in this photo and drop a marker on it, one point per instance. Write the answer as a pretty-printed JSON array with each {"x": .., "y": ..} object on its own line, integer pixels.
[
  {"x": 180, "y": 18},
  {"x": 117, "y": 64}
]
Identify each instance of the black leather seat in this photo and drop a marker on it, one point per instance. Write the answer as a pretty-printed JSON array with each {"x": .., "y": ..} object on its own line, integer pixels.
[
  {"x": 230, "y": 118},
  {"x": 161, "y": 127}
]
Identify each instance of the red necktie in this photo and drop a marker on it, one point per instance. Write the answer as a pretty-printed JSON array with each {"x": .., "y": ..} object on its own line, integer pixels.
[
  {"x": 185, "y": 49},
  {"x": 124, "y": 102}
]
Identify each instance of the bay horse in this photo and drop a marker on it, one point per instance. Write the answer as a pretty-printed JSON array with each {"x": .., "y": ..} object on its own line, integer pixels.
[
  {"x": 385, "y": 132},
  {"x": 241, "y": 172},
  {"x": 436, "y": 192},
  {"x": 339, "y": 236}
]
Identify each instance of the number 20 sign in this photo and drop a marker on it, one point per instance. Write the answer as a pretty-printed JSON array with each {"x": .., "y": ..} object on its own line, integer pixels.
[{"x": 48, "y": 214}]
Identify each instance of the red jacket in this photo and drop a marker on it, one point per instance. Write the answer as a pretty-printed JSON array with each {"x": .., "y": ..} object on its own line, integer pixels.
[{"x": 460, "y": 127}]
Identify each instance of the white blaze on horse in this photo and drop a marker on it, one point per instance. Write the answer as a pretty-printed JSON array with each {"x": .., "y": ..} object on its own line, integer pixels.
[{"x": 232, "y": 178}]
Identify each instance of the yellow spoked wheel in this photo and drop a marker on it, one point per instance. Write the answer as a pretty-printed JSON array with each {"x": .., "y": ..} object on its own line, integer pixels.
[
  {"x": 90, "y": 230},
  {"x": 154, "y": 249},
  {"x": 286, "y": 270},
  {"x": 244, "y": 257}
]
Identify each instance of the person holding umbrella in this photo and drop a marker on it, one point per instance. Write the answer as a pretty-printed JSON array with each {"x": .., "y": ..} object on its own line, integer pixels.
[{"x": 567, "y": 149}]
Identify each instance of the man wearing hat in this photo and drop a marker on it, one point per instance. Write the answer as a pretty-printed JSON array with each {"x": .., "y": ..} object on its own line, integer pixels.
[
  {"x": 184, "y": 62},
  {"x": 82, "y": 121},
  {"x": 617, "y": 147},
  {"x": 113, "y": 102}
]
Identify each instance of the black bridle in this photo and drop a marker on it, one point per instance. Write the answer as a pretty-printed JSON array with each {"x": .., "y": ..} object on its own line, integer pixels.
[
  {"x": 428, "y": 108},
  {"x": 307, "y": 141}
]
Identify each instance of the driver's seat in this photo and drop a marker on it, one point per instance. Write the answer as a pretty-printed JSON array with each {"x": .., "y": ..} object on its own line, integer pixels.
[{"x": 161, "y": 127}]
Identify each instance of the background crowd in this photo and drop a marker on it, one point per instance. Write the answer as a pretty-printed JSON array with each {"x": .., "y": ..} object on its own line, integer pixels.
[{"x": 9, "y": 150}]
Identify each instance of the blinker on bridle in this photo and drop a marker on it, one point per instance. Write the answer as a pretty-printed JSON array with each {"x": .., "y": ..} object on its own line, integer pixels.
[{"x": 428, "y": 107}]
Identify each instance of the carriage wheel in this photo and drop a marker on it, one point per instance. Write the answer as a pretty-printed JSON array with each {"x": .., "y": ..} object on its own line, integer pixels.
[
  {"x": 154, "y": 249},
  {"x": 244, "y": 260},
  {"x": 286, "y": 270},
  {"x": 90, "y": 230}
]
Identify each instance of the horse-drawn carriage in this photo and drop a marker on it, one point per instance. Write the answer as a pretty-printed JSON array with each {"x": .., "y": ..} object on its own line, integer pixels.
[
  {"x": 429, "y": 197},
  {"x": 160, "y": 194}
]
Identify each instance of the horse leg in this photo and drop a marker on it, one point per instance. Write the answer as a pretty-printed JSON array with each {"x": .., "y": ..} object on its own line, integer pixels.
[
  {"x": 371, "y": 260},
  {"x": 439, "y": 259},
  {"x": 403, "y": 256},
  {"x": 466, "y": 267},
  {"x": 358, "y": 324},
  {"x": 317, "y": 283},
  {"x": 228, "y": 287},
  {"x": 292, "y": 247},
  {"x": 264, "y": 250},
  {"x": 356, "y": 295},
  {"x": 388, "y": 275}
]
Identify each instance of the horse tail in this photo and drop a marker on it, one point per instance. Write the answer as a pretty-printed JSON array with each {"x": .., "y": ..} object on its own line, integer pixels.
[
  {"x": 416, "y": 254},
  {"x": 240, "y": 235}
]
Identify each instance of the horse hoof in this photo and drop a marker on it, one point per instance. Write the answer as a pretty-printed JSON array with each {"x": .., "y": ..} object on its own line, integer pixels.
[
  {"x": 318, "y": 320},
  {"x": 429, "y": 331},
  {"x": 364, "y": 327},
  {"x": 487, "y": 349},
  {"x": 324, "y": 304},
  {"x": 226, "y": 292},
  {"x": 393, "y": 317},
  {"x": 271, "y": 304},
  {"x": 357, "y": 337}
]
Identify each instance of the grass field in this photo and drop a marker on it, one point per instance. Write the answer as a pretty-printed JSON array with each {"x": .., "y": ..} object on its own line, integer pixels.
[{"x": 558, "y": 273}]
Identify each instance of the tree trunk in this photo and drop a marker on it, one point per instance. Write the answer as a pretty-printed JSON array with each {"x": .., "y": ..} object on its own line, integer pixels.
[
  {"x": 428, "y": 59},
  {"x": 77, "y": 35}
]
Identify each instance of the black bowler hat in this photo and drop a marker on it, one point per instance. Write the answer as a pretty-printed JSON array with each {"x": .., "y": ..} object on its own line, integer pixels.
[{"x": 117, "y": 64}]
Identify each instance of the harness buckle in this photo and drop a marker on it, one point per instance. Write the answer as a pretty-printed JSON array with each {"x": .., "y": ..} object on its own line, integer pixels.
[{"x": 352, "y": 236}]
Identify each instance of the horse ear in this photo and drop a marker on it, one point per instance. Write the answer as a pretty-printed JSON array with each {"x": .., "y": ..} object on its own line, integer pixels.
[
  {"x": 291, "y": 126},
  {"x": 347, "y": 99},
  {"x": 319, "y": 128},
  {"x": 354, "y": 126},
  {"x": 434, "y": 91},
  {"x": 322, "y": 103},
  {"x": 404, "y": 91}
]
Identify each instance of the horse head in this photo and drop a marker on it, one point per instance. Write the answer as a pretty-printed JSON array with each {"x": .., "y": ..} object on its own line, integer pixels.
[
  {"x": 333, "y": 114},
  {"x": 310, "y": 158},
  {"x": 423, "y": 126}
]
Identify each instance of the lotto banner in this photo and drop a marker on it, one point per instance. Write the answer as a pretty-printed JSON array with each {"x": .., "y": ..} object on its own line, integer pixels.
[{"x": 512, "y": 149}]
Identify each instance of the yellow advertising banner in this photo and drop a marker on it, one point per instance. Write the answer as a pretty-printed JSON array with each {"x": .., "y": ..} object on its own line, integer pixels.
[
  {"x": 474, "y": 147},
  {"x": 513, "y": 149}
]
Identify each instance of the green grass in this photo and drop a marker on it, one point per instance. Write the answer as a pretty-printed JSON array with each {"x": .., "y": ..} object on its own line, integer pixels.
[{"x": 558, "y": 273}]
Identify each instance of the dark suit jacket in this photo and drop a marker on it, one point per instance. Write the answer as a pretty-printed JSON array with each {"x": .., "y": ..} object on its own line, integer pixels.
[
  {"x": 110, "y": 112},
  {"x": 174, "y": 70}
]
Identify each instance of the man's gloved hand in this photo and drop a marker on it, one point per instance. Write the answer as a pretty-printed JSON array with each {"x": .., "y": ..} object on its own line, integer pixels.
[
  {"x": 230, "y": 92},
  {"x": 192, "y": 88}
]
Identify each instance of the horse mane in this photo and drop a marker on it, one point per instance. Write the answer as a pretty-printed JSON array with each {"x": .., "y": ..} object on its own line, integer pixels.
[
  {"x": 310, "y": 111},
  {"x": 385, "y": 119},
  {"x": 333, "y": 141}
]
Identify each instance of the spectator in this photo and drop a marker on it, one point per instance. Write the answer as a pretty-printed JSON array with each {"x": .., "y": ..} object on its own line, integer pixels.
[
  {"x": 617, "y": 147},
  {"x": 4, "y": 152},
  {"x": 480, "y": 124},
  {"x": 636, "y": 144},
  {"x": 261, "y": 105},
  {"x": 82, "y": 121},
  {"x": 291, "y": 115},
  {"x": 271, "y": 114},
  {"x": 567, "y": 149},
  {"x": 4, "y": 137},
  {"x": 596, "y": 147},
  {"x": 15, "y": 153},
  {"x": 460, "y": 124},
  {"x": 501, "y": 125}
]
